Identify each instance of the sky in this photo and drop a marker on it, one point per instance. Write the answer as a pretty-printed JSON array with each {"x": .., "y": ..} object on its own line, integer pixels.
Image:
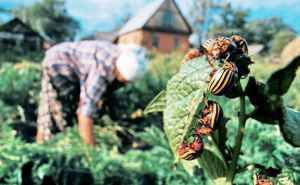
[{"x": 105, "y": 15}]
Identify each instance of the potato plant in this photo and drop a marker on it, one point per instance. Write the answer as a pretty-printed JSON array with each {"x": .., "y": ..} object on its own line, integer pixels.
[{"x": 184, "y": 101}]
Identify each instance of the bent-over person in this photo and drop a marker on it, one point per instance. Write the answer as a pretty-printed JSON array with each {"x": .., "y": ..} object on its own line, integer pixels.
[{"x": 75, "y": 77}]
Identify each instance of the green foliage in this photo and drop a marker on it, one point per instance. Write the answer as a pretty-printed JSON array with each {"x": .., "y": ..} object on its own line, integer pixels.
[
  {"x": 67, "y": 160},
  {"x": 19, "y": 90},
  {"x": 158, "y": 104},
  {"x": 280, "y": 40},
  {"x": 213, "y": 165},
  {"x": 267, "y": 98},
  {"x": 10, "y": 55},
  {"x": 264, "y": 31},
  {"x": 232, "y": 21},
  {"x": 6, "y": 112},
  {"x": 281, "y": 80},
  {"x": 199, "y": 13},
  {"x": 17, "y": 80},
  {"x": 285, "y": 177},
  {"x": 271, "y": 32},
  {"x": 50, "y": 19},
  {"x": 290, "y": 127},
  {"x": 263, "y": 145}
]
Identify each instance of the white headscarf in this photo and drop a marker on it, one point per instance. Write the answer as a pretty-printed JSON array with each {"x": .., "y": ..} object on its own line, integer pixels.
[{"x": 132, "y": 62}]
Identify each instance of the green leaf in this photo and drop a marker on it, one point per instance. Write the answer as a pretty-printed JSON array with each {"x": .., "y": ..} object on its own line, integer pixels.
[
  {"x": 190, "y": 166},
  {"x": 269, "y": 108},
  {"x": 43, "y": 170},
  {"x": 158, "y": 104},
  {"x": 220, "y": 180},
  {"x": 280, "y": 81},
  {"x": 267, "y": 97},
  {"x": 286, "y": 177},
  {"x": 184, "y": 97},
  {"x": 220, "y": 137},
  {"x": 290, "y": 128},
  {"x": 212, "y": 165}
]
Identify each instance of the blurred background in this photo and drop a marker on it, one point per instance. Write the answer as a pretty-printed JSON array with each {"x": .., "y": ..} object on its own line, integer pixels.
[{"x": 131, "y": 147}]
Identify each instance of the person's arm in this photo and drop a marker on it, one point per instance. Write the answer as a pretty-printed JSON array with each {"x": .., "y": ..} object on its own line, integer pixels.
[
  {"x": 85, "y": 127},
  {"x": 39, "y": 137}
]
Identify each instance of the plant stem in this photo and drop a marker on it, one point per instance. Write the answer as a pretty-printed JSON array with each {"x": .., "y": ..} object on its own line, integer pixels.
[{"x": 238, "y": 143}]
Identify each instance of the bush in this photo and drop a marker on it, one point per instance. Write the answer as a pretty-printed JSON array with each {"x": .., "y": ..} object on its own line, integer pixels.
[
  {"x": 67, "y": 160},
  {"x": 20, "y": 84},
  {"x": 10, "y": 55}
]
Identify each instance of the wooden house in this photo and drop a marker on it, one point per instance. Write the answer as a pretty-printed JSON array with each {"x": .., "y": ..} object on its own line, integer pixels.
[
  {"x": 159, "y": 25},
  {"x": 19, "y": 36}
]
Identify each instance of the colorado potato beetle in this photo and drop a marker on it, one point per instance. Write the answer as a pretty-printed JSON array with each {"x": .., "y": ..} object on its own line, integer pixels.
[
  {"x": 208, "y": 45},
  {"x": 190, "y": 151},
  {"x": 210, "y": 118},
  {"x": 217, "y": 49},
  {"x": 222, "y": 47},
  {"x": 223, "y": 79},
  {"x": 242, "y": 46},
  {"x": 262, "y": 181}
]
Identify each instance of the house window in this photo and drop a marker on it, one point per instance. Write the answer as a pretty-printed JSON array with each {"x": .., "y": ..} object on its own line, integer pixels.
[
  {"x": 167, "y": 18},
  {"x": 176, "y": 42},
  {"x": 155, "y": 41}
]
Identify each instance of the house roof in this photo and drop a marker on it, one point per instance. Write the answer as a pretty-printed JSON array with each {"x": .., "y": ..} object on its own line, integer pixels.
[
  {"x": 141, "y": 17},
  {"x": 16, "y": 26}
]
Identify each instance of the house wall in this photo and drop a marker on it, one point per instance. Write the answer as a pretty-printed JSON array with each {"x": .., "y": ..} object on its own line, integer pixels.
[
  {"x": 165, "y": 42},
  {"x": 135, "y": 37}
]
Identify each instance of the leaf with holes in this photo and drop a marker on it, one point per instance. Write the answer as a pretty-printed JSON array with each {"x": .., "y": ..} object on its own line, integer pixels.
[{"x": 184, "y": 98}]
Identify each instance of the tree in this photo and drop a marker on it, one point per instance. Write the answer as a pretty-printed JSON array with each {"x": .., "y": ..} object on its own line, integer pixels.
[
  {"x": 229, "y": 21},
  {"x": 200, "y": 17},
  {"x": 263, "y": 31},
  {"x": 50, "y": 19}
]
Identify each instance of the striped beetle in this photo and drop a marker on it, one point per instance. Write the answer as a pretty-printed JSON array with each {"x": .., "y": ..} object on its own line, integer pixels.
[
  {"x": 210, "y": 118},
  {"x": 190, "y": 151},
  {"x": 222, "y": 47},
  {"x": 217, "y": 49},
  {"x": 223, "y": 79},
  {"x": 242, "y": 46},
  {"x": 259, "y": 181},
  {"x": 214, "y": 49}
]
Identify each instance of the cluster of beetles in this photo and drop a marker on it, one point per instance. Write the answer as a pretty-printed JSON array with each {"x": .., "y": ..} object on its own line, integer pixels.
[{"x": 226, "y": 51}]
